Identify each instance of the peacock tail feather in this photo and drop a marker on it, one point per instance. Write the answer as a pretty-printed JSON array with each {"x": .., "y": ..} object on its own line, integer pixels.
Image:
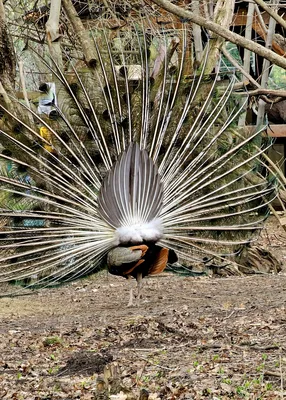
[{"x": 141, "y": 146}]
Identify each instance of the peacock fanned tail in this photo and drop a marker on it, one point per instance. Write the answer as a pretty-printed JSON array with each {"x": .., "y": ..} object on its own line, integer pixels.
[{"x": 142, "y": 148}]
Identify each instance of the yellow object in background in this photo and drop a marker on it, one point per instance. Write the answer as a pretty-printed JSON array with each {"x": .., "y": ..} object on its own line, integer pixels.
[{"x": 47, "y": 135}]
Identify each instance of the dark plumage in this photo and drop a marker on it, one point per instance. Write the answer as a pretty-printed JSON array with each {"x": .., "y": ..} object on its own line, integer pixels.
[{"x": 147, "y": 259}]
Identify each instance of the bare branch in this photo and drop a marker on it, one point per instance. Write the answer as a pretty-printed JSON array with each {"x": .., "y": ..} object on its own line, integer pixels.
[
  {"x": 225, "y": 33},
  {"x": 53, "y": 35},
  {"x": 272, "y": 92},
  {"x": 266, "y": 68},
  {"x": 222, "y": 15},
  {"x": 239, "y": 67},
  {"x": 87, "y": 44},
  {"x": 260, "y": 19},
  {"x": 271, "y": 12},
  {"x": 52, "y": 25},
  {"x": 248, "y": 35},
  {"x": 197, "y": 34},
  {"x": 247, "y": 53}
]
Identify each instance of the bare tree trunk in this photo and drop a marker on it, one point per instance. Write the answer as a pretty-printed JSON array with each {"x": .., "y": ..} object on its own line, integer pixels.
[
  {"x": 223, "y": 14},
  {"x": 7, "y": 89},
  {"x": 7, "y": 54}
]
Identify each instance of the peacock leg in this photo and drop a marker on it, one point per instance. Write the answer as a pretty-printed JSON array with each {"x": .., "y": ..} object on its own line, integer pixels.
[
  {"x": 131, "y": 297},
  {"x": 139, "y": 279}
]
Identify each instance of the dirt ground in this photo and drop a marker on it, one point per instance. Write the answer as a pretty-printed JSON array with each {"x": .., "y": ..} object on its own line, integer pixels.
[{"x": 191, "y": 338}]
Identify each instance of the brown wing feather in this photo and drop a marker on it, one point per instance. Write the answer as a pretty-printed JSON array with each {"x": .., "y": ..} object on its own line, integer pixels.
[
  {"x": 141, "y": 247},
  {"x": 160, "y": 262},
  {"x": 130, "y": 270}
]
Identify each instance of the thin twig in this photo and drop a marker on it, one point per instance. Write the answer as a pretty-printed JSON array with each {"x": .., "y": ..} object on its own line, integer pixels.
[
  {"x": 261, "y": 21},
  {"x": 239, "y": 67},
  {"x": 230, "y": 314},
  {"x": 273, "y": 373}
]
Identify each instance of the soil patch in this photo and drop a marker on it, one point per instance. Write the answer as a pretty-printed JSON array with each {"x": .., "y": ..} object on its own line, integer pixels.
[{"x": 190, "y": 338}]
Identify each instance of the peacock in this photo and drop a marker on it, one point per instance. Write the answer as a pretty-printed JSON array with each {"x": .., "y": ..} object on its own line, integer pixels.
[{"x": 132, "y": 162}]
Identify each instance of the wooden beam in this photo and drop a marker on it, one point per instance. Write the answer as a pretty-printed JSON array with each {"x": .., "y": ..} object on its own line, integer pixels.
[
  {"x": 34, "y": 96},
  {"x": 240, "y": 19},
  {"x": 260, "y": 31},
  {"x": 278, "y": 130}
]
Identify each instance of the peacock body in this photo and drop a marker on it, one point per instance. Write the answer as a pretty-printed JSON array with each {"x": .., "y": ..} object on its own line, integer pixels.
[{"x": 135, "y": 158}]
